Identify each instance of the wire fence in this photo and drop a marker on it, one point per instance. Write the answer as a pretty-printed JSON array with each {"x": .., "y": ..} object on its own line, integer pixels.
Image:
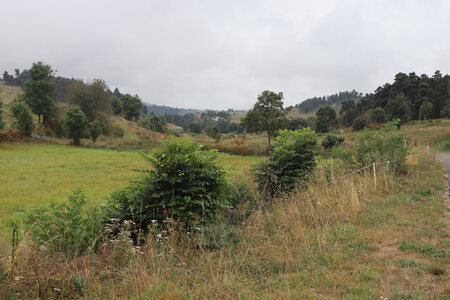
[{"x": 372, "y": 165}]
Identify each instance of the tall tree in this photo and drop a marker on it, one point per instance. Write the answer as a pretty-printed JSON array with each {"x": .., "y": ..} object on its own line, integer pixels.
[
  {"x": 38, "y": 90},
  {"x": 426, "y": 109},
  {"x": 326, "y": 118},
  {"x": 399, "y": 108},
  {"x": 131, "y": 106},
  {"x": 348, "y": 112},
  {"x": 271, "y": 113}
]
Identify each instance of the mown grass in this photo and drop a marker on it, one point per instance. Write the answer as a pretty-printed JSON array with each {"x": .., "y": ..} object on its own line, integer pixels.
[{"x": 32, "y": 175}]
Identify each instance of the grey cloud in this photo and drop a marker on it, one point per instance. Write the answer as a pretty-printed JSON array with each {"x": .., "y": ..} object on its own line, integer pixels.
[{"x": 221, "y": 54}]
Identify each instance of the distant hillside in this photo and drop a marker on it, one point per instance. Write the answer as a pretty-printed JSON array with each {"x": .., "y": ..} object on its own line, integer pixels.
[
  {"x": 161, "y": 110},
  {"x": 311, "y": 104},
  {"x": 9, "y": 93}
]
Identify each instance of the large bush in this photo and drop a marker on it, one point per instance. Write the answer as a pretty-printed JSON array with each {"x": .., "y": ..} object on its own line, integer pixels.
[
  {"x": 290, "y": 162},
  {"x": 67, "y": 227},
  {"x": 380, "y": 146},
  {"x": 76, "y": 124},
  {"x": 331, "y": 141},
  {"x": 24, "y": 119},
  {"x": 184, "y": 183}
]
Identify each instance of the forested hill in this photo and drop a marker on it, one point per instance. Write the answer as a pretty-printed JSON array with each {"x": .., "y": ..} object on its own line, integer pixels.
[
  {"x": 161, "y": 110},
  {"x": 314, "y": 103},
  {"x": 19, "y": 77}
]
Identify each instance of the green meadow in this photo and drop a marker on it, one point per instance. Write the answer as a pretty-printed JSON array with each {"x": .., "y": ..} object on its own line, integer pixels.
[{"x": 32, "y": 175}]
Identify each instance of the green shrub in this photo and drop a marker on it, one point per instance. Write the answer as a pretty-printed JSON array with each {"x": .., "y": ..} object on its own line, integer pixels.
[
  {"x": 67, "y": 227},
  {"x": 359, "y": 123},
  {"x": 378, "y": 115},
  {"x": 76, "y": 124},
  {"x": 380, "y": 146},
  {"x": 118, "y": 132},
  {"x": 290, "y": 162},
  {"x": 95, "y": 129},
  {"x": 331, "y": 141},
  {"x": 184, "y": 183},
  {"x": 24, "y": 119}
]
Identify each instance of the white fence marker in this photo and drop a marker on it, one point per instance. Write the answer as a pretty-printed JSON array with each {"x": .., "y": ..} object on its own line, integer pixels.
[{"x": 374, "y": 176}]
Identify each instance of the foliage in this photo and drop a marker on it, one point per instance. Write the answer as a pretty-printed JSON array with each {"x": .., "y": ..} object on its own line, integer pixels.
[
  {"x": 311, "y": 104},
  {"x": 95, "y": 129},
  {"x": 446, "y": 111},
  {"x": 214, "y": 132},
  {"x": 426, "y": 109},
  {"x": 24, "y": 119},
  {"x": 326, "y": 119},
  {"x": 67, "y": 227},
  {"x": 2, "y": 124},
  {"x": 404, "y": 97},
  {"x": 378, "y": 115},
  {"x": 348, "y": 112},
  {"x": 38, "y": 90},
  {"x": 270, "y": 114},
  {"x": 93, "y": 98},
  {"x": 331, "y": 141},
  {"x": 117, "y": 106},
  {"x": 184, "y": 184},
  {"x": 381, "y": 146},
  {"x": 76, "y": 124},
  {"x": 290, "y": 162},
  {"x": 131, "y": 106},
  {"x": 297, "y": 123},
  {"x": 156, "y": 124},
  {"x": 195, "y": 127},
  {"x": 359, "y": 123}
]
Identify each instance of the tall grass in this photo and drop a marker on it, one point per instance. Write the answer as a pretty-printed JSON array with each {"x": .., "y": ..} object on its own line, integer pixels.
[{"x": 280, "y": 251}]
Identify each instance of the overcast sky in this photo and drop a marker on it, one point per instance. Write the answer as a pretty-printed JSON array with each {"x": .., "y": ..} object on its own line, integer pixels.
[{"x": 222, "y": 54}]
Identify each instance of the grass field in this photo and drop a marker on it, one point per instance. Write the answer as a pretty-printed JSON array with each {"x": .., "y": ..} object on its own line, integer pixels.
[
  {"x": 341, "y": 241},
  {"x": 35, "y": 174}
]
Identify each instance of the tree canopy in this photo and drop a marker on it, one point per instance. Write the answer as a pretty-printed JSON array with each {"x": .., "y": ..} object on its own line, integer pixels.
[{"x": 39, "y": 89}]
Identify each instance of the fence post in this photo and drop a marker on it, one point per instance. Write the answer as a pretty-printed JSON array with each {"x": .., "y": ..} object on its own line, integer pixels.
[
  {"x": 387, "y": 166},
  {"x": 374, "y": 176}
]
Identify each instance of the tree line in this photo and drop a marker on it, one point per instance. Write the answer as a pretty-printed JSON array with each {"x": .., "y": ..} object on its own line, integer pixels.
[
  {"x": 409, "y": 97},
  {"x": 314, "y": 103},
  {"x": 90, "y": 104}
]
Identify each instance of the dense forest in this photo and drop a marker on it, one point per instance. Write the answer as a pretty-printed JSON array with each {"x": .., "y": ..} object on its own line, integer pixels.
[{"x": 314, "y": 103}]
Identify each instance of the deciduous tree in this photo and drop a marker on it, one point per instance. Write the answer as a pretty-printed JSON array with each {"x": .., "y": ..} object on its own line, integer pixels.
[{"x": 38, "y": 90}]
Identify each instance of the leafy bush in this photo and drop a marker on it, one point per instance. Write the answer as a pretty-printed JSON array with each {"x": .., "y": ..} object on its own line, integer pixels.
[
  {"x": 290, "y": 162},
  {"x": 24, "y": 119},
  {"x": 118, "y": 131},
  {"x": 378, "y": 115},
  {"x": 185, "y": 184},
  {"x": 331, "y": 141},
  {"x": 95, "y": 129},
  {"x": 67, "y": 227},
  {"x": 387, "y": 144},
  {"x": 359, "y": 123},
  {"x": 76, "y": 124}
]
